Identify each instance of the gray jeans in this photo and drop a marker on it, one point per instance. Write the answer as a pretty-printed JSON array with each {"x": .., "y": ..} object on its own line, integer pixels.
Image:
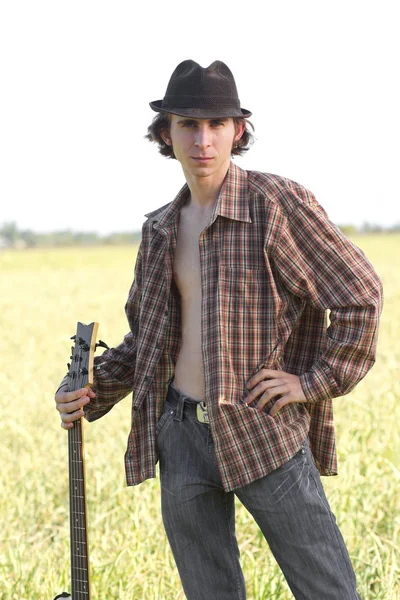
[{"x": 289, "y": 506}]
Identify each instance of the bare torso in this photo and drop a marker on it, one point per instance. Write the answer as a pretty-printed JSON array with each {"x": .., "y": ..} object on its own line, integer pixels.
[{"x": 189, "y": 371}]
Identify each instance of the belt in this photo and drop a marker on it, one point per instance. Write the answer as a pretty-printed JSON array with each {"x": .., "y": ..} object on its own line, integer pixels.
[{"x": 194, "y": 408}]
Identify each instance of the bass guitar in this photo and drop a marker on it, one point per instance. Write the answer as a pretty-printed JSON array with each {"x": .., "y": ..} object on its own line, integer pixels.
[{"x": 80, "y": 375}]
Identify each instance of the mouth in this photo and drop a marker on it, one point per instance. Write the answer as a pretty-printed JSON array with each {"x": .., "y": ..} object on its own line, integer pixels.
[{"x": 202, "y": 159}]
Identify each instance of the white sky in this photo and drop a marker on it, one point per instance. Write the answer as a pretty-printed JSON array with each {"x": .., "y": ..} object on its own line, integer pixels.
[{"x": 76, "y": 77}]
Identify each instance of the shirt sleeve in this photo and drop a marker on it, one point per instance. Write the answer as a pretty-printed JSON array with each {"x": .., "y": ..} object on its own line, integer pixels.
[
  {"x": 114, "y": 370},
  {"x": 319, "y": 264}
]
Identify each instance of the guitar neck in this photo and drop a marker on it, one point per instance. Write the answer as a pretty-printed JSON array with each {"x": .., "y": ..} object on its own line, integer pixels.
[
  {"x": 78, "y": 514},
  {"x": 80, "y": 375}
]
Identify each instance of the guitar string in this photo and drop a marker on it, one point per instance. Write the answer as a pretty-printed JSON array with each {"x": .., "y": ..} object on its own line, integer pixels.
[
  {"x": 79, "y": 484},
  {"x": 74, "y": 557},
  {"x": 80, "y": 546},
  {"x": 83, "y": 555},
  {"x": 72, "y": 447},
  {"x": 75, "y": 591}
]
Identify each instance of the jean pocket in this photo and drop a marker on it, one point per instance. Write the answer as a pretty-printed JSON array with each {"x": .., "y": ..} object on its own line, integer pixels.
[
  {"x": 164, "y": 421},
  {"x": 297, "y": 461}
]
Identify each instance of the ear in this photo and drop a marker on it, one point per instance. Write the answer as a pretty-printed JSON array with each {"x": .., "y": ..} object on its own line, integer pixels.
[
  {"x": 240, "y": 127},
  {"x": 164, "y": 134}
]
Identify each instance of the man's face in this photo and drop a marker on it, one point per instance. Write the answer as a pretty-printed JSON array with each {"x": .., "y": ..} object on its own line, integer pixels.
[{"x": 203, "y": 146}]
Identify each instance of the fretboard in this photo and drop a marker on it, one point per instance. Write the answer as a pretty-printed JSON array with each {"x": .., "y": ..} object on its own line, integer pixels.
[{"x": 78, "y": 515}]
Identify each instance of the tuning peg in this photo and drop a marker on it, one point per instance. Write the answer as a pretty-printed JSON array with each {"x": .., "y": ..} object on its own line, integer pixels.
[
  {"x": 83, "y": 371},
  {"x": 69, "y": 366},
  {"x": 101, "y": 344},
  {"x": 83, "y": 345},
  {"x": 73, "y": 338}
]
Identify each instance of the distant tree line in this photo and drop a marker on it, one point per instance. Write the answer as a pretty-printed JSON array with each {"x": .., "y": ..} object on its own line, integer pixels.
[
  {"x": 369, "y": 228},
  {"x": 13, "y": 237}
]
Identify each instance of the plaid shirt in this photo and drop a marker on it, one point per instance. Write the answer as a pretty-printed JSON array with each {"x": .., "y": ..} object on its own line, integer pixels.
[{"x": 271, "y": 265}]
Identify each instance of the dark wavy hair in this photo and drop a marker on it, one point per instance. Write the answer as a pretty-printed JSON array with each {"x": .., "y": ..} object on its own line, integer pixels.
[{"x": 162, "y": 122}]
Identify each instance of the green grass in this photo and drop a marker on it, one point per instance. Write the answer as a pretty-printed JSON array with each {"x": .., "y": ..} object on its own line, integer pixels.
[{"x": 42, "y": 295}]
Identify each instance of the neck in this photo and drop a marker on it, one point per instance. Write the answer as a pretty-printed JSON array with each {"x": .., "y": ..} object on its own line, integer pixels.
[{"x": 204, "y": 191}]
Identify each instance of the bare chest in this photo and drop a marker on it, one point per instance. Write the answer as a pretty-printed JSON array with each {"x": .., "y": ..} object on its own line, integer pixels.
[{"x": 187, "y": 256}]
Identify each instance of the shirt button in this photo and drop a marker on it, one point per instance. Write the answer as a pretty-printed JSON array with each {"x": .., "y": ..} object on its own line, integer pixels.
[{"x": 166, "y": 313}]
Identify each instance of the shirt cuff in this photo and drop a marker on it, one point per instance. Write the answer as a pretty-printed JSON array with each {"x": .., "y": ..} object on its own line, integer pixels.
[
  {"x": 319, "y": 385},
  {"x": 64, "y": 385}
]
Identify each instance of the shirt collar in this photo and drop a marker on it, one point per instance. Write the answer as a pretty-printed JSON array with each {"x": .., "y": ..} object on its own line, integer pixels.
[{"x": 232, "y": 201}]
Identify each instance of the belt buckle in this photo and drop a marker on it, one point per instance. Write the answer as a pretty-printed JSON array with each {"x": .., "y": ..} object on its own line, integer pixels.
[{"x": 202, "y": 412}]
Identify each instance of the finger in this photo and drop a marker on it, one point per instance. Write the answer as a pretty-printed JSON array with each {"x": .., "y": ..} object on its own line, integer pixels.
[
  {"x": 64, "y": 396},
  {"x": 263, "y": 374},
  {"x": 70, "y": 407},
  {"x": 261, "y": 388},
  {"x": 279, "y": 404},
  {"x": 69, "y": 418},
  {"x": 271, "y": 393}
]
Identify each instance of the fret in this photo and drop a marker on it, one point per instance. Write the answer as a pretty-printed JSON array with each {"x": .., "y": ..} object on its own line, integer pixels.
[{"x": 77, "y": 542}]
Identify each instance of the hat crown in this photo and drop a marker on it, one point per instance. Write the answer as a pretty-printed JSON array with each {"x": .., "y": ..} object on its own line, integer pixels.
[{"x": 191, "y": 79}]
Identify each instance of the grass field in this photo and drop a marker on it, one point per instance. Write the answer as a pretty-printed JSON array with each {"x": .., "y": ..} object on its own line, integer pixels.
[{"x": 43, "y": 295}]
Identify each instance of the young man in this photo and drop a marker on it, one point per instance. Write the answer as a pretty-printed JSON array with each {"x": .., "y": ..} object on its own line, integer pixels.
[{"x": 229, "y": 357}]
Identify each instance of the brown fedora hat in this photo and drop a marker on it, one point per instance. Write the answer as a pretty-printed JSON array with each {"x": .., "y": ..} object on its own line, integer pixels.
[{"x": 201, "y": 93}]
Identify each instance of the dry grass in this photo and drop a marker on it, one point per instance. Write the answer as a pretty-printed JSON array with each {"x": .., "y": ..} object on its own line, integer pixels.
[{"x": 43, "y": 294}]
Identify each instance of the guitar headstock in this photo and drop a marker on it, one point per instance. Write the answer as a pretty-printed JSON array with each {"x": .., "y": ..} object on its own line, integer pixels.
[{"x": 81, "y": 367}]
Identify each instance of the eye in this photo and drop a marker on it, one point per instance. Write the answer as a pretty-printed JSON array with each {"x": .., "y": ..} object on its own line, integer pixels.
[
  {"x": 188, "y": 123},
  {"x": 216, "y": 123}
]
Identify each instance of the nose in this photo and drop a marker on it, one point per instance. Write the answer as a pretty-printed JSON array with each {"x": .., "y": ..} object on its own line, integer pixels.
[{"x": 203, "y": 136}]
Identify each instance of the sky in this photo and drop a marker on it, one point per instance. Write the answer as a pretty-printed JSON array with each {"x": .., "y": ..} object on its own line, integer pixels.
[{"x": 76, "y": 79}]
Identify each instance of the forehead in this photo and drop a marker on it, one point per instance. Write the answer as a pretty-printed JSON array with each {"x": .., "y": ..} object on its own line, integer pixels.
[{"x": 180, "y": 119}]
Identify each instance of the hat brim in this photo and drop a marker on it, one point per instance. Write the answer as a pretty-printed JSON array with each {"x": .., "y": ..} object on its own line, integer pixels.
[{"x": 202, "y": 113}]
